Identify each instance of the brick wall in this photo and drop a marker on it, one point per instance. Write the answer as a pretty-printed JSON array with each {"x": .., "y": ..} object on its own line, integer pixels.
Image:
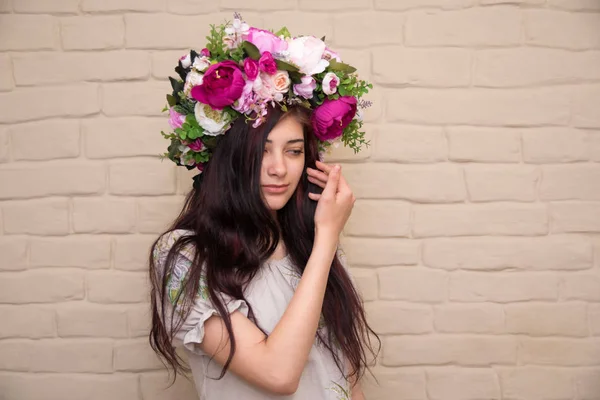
[{"x": 475, "y": 239}]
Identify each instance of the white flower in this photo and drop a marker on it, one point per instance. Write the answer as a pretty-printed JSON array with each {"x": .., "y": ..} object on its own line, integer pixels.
[
  {"x": 186, "y": 61},
  {"x": 307, "y": 53},
  {"x": 214, "y": 122},
  {"x": 201, "y": 63},
  {"x": 330, "y": 83},
  {"x": 192, "y": 79},
  {"x": 182, "y": 158}
]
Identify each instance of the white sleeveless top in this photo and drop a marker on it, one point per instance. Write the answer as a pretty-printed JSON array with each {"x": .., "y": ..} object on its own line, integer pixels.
[{"x": 269, "y": 294}]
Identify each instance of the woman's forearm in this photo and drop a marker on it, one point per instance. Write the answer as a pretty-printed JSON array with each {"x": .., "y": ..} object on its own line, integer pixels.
[{"x": 294, "y": 335}]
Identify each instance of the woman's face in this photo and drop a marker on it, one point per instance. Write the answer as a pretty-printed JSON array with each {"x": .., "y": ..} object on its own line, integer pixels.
[{"x": 283, "y": 162}]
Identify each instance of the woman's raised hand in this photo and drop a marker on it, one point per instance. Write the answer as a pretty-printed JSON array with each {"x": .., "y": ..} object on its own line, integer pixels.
[{"x": 335, "y": 203}]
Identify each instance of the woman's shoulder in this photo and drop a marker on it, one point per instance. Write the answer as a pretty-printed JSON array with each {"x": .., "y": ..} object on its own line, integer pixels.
[{"x": 168, "y": 239}]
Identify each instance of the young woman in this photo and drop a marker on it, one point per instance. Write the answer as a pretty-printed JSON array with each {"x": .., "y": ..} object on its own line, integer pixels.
[{"x": 250, "y": 277}]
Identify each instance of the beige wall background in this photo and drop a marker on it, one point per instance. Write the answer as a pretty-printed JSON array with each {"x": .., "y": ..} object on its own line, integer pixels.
[{"x": 475, "y": 239}]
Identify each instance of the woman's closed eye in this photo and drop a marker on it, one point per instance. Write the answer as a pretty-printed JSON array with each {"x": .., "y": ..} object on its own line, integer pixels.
[{"x": 296, "y": 152}]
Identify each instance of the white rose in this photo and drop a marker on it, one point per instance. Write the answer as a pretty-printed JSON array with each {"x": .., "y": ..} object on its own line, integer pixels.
[
  {"x": 186, "y": 61},
  {"x": 281, "y": 81},
  {"x": 272, "y": 87},
  {"x": 307, "y": 53},
  {"x": 214, "y": 122},
  {"x": 330, "y": 83},
  {"x": 192, "y": 79},
  {"x": 201, "y": 63}
]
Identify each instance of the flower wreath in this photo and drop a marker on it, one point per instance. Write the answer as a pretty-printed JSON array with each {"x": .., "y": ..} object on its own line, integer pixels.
[{"x": 244, "y": 69}]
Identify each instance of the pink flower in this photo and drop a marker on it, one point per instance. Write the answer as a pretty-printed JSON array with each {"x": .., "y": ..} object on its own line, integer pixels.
[
  {"x": 330, "y": 54},
  {"x": 186, "y": 60},
  {"x": 267, "y": 63},
  {"x": 244, "y": 103},
  {"x": 221, "y": 86},
  {"x": 330, "y": 83},
  {"x": 205, "y": 52},
  {"x": 306, "y": 52},
  {"x": 331, "y": 118},
  {"x": 197, "y": 146},
  {"x": 251, "y": 68},
  {"x": 266, "y": 41},
  {"x": 306, "y": 88},
  {"x": 176, "y": 120}
]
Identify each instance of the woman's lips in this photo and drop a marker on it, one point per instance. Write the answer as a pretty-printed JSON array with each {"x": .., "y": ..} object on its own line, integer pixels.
[{"x": 275, "y": 189}]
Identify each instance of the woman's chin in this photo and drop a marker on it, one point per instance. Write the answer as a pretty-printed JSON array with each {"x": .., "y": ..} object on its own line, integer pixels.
[{"x": 276, "y": 202}]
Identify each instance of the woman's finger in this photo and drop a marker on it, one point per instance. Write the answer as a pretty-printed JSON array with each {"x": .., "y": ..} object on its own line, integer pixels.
[
  {"x": 317, "y": 174},
  {"x": 331, "y": 187},
  {"x": 317, "y": 182},
  {"x": 324, "y": 167},
  {"x": 314, "y": 196}
]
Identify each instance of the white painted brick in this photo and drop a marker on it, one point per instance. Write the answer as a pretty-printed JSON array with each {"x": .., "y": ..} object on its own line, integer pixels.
[
  {"x": 117, "y": 287},
  {"x": 91, "y": 321},
  {"x": 366, "y": 281},
  {"x": 566, "y": 319},
  {"x": 477, "y": 106},
  {"x": 142, "y": 178},
  {"x": 535, "y": 383},
  {"x": 581, "y": 287},
  {"x": 502, "y": 287},
  {"x": 410, "y": 4},
  {"x": 594, "y": 318},
  {"x": 134, "y": 98},
  {"x": 496, "y": 219},
  {"x": 92, "y": 252},
  {"x": 452, "y": 383},
  {"x": 554, "y": 145},
  {"x": 576, "y": 5},
  {"x": 465, "y": 350},
  {"x": 470, "y": 27},
  {"x": 575, "y": 216},
  {"x": 138, "y": 319},
  {"x": 72, "y": 356},
  {"x": 156, "y": 386},
  {"x": 37, "y": 217},
  {"x": 379, "y": 252},
  {"x": 408, "y": 319},
  {"x": 45, "y": 140},
  {"x": 28, "y": 32},
  {"x": 132, "y": 252},
  {"x": 92, "y": 32},
  {"x": 495, "y": 253},
  {"x": 41, "y": 287},
  {"x": 27, "y": 322},
  {"x": 122, "y": 5},
  {"x": 14, "y": 253},
  {"x": 554, "y": 351},
  {"x": 379, "y": 218},
  {"x": 594, "y": 145},
  {"x": 383, "y": 28},
  {"x": 585, "y": 114},
  {"x": 578, "y": 30},
  {"x": 410, "y": 144},
  {"x": 570, "y": 182},
  {"x": 484, "y": 144},
  {"x": 587, "y": 383},
  {"x": 135, "y": 355},
  {"x": 468, "y": 318},
  {"x": 102, "y": 215},
  {"x": 43, "y": 7},
  {"x": 391, "y": 382},
  {"x": 499, "y": 182},
  {"x": 444, "y": 182},
  {"x": 402, "y": 283},
  {"x": 6, "y": 73},
  {"x": 156, "y": 214}
]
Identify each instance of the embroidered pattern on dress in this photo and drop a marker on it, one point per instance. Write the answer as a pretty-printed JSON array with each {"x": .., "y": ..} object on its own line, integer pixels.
[{"x": 341, "y": 392}]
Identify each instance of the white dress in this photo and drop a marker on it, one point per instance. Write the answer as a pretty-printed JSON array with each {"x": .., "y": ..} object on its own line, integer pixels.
[{"x": 269, "y": 294}]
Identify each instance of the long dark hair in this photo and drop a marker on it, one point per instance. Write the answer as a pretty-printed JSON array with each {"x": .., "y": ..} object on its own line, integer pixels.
[{"x": 234, "y": 232}]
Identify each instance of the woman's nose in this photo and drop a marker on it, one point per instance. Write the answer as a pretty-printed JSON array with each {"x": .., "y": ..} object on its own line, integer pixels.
[{"x": 277, "y": 165}]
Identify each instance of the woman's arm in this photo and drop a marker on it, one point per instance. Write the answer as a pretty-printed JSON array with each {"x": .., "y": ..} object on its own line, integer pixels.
[{"x": 276, "y": 363}]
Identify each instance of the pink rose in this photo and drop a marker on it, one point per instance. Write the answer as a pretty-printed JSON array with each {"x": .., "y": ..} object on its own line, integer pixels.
[
  {"x": 251, "y": 68},
  {"x": 176, "y": 120},
  {"x": 266, "y": 41},
  {"x": 306, "y": 88},
  {"x": 196, "y": 146},
  {"x": 267, "y": 63},
  {"x": 205, "y": 52},
  {"x": 330, "y": 83},
  {"x": 221, "y": 86},
  {"x": 331, "y": 118}
]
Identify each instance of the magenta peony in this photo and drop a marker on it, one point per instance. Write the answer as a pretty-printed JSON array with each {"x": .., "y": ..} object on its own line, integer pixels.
[
  {"x": 221, "y": 86},
  {"x": 331, "y": 118}
]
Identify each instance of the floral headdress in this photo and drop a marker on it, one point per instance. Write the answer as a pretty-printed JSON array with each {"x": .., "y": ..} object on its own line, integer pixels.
[{"x": 241, "y": 71}]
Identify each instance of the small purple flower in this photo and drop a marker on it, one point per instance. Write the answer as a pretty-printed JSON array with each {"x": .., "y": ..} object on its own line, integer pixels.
[
  {"x": 205, "y": 52},
  {"x": 306, "y": 88}
]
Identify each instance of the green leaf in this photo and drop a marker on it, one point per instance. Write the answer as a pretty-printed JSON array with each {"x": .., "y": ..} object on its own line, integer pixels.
[
  {"x": 171, "y": 100},
  {"x": 295, "y": 77},
  {"x": 251, "y": 50},
  {"x": 283, "y": 31},
  {"x": 283, "y": 66},
  {"x": 341, "y": 67},
  {"x": 284, "y": 108},
  {"x": 342, "y": 91}
]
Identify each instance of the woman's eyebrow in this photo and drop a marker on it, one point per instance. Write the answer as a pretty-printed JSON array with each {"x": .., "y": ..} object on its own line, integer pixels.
[{"x": 289, "y": 141}]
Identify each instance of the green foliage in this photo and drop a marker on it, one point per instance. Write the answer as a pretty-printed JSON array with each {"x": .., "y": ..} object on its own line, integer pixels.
[
  {"x": 250, "y": 49},
  {"x": 216, "y": 46}
]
